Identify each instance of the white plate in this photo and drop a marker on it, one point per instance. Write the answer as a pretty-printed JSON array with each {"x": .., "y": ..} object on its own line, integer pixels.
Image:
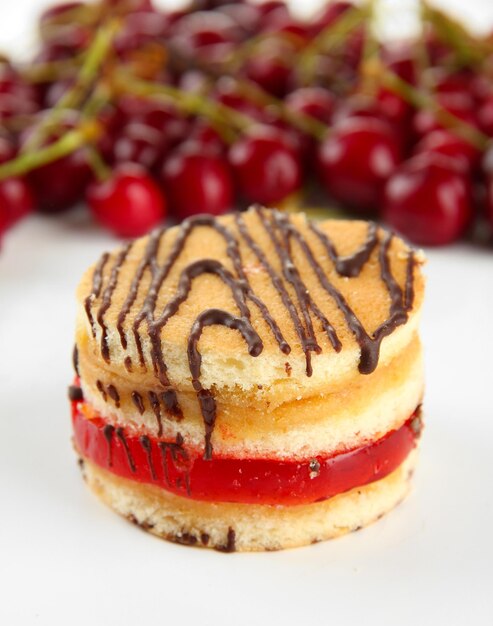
[{"x": 66, "y": 559}]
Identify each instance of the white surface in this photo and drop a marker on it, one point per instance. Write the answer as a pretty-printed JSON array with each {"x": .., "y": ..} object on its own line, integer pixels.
[{"x": 67, "y": 560}]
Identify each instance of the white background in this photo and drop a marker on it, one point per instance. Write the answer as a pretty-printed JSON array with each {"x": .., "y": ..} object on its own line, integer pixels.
[{"x": 66, "y": 559}]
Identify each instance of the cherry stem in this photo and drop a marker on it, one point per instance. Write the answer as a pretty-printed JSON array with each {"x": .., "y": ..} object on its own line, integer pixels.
[
  {"x": 96, "y": 162},
  {"x": 195, "y": 104},
  {"x": 422, "y": 100},
  {"x": 93, "y": 59},
  {"x": 329, "y": 38},
  {"x": 304, "y": 122},
  {"x": 68, "y": 143}
]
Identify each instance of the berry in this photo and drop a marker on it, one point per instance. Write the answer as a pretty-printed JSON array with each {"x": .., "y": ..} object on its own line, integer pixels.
[
  {"x": 270, "y": 66},
  {"x": 129, "y": 203},
  {"x": 356, "y": 159},
  {"x": 140, "y": 144},
  {"x": 16, "y": 201},
  {"x": 428, "y": 200},
  {"x": 460, "y": 105},
  {"x": 197, "y": 182},
  {"x": 265, "y": 165},
  {"x": 313, "y": 101},
  {"x": 465, "y": 156}
]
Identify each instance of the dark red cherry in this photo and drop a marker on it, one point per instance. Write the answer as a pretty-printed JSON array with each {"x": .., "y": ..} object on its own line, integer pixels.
[
  {"x": 140, "y": 144},
  {"x": 206, "y": 137},
  {"x": 129, "y": 203},
  {"x": 270, "y": 66},
  {"x": 328, "y": 15},
  {"x": 465, "y": 156},
  {"x": 489, "y": 201},
  {"x": 7, "y": 150},
  {"x": 316, "y": 102},
  {"x": 139, "y": 28},
  {"x": 197, "y": 182},
  {"x": 485, "y": 116},
  {"x": 399, "y": 58},
  {"x": 265, "y": 165},
  {"x": 60, "y": 184},
  {"x": 204, "y": 28},
  {"x": 428, "y": 200},
  {"x": 355, "y": 160},
  {"x": 16, "y": 201},
  {"x": 246, "y": 16},
  {"x": 460, "y": 105}
]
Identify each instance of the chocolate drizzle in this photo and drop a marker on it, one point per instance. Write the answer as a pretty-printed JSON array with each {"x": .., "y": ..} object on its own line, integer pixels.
[
  {"x": 120, "y": 434},
  {"x": 114, "y": 395},
  {"x": 145, "y": 442},
  {"x": 284, "y": 276},
  {"x": 138, "y": 401},
  {"x": 108, "y": 431}
]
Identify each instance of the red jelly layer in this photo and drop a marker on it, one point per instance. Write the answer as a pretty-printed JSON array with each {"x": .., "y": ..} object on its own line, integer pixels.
[{"x": 183, "y": 471}]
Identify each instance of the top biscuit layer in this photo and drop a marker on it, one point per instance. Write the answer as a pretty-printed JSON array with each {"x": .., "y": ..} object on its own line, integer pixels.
[{"x": 250, "y": 303}]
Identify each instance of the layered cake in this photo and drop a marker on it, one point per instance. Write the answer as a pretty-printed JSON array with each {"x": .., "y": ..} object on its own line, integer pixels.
[{"x": 250, "y": 382}]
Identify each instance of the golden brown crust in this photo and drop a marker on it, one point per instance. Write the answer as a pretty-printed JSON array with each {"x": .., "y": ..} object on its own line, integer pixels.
[{"x": 226, "y": 364}]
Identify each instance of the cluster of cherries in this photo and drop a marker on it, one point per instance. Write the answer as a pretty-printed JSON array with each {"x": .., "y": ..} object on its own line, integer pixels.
[{"x": 226, "y": 103}]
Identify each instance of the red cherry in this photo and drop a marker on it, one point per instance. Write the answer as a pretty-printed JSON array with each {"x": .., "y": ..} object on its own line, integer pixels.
[
  {"x": 140, "y": 144},
  {"x": 356, "y": 159},
  {"x": 129, "y": 203},
  {"x": 16, "y": 201},
  {"x": 7, "y": 150},
  {"x": 139, "y": 28},
  {"x": 316, "y": 102},
  {"x": 59, "y": 184},
  {"x": 270, "y": 66},
  {"x": 460, "y": 105},
  {"x": 428, "y": 200},
  {"x": 329, "y": 14},
  {"x": 465, "y": 156},
  {"x": 485, "y": 116},
  {"x": 273, "y": 10},
  {"x": 246, "y": 16},
  {"x": 400, "y": 59},
  {"x": 204, "y": 28},
  {"x": 207, "y": 138},
  {"x": 265, "y": 165},
  {"x": 489, "y": 201},
  {"x": 197, "y": 182}
]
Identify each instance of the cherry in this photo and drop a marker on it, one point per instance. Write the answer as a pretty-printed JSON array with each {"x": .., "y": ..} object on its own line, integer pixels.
[
  {"x": 16, "y": 201},
  {"x": 485, "y": 115},
  {"x": 140, "y": 144},
  {"x": 316, "y": 102},
  {"x": 459, "y": 104},
  {"x": 206, "y": 137},
  {"x": 489, "y": 201},
  {"x": 165, "y": 118},
  {"x": 273, "y": 10},
  {"x": 356, "y": 159},
  {"x": 204, "y": 28},
  {"x": 265, "y": 165},
  {"x": 328, "y": 15},
  {"x": 197, "y": 182},
  {"x": 226, "y": 92},
  {"x": 246, "y": 16},
  {"x": 129, "y": 203},
  {"x": 7, "y": 150},
  {"x": 399, "y": 58},
  {"x": 428, "y": 200},
  {"x": 59, "y": 184},
  {"x": 55, "y": 13},
  {"x": 465, "y": 156},
  {"x": 139, "y": 28},
  {"x": 270, "y": 66}
]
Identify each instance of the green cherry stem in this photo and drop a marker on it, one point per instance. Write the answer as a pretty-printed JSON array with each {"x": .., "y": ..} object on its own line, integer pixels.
[
  {"x": 90, "y": 68},
  {"x": 68, "y": 143},
  {"x": 423, "y": 100}
]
